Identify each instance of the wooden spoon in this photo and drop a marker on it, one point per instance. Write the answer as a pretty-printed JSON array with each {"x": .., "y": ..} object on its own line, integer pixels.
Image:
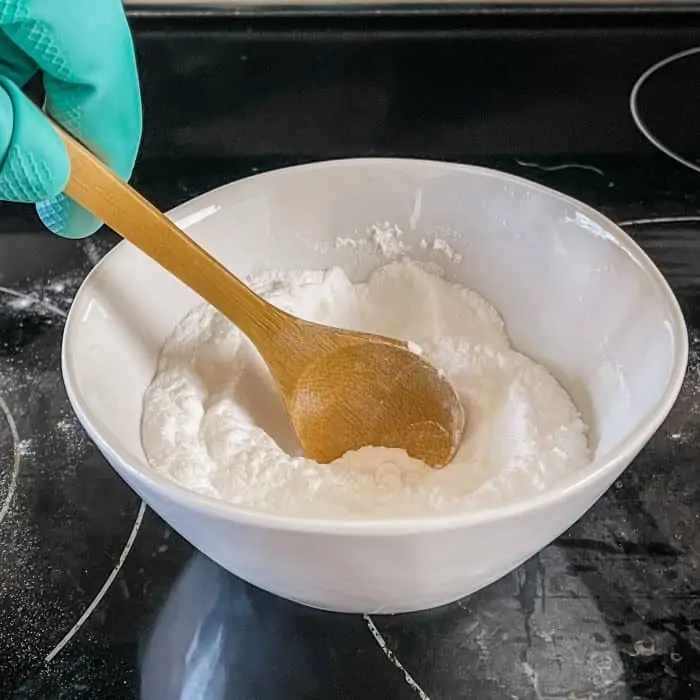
[{"x": 342, "y": 390}]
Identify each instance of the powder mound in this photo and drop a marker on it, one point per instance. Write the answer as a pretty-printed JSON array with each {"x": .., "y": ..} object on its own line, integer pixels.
[{"x": 213, "y": 422}]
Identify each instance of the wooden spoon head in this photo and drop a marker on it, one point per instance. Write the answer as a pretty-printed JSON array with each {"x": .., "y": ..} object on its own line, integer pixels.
[{"x": 376, "y": 392}]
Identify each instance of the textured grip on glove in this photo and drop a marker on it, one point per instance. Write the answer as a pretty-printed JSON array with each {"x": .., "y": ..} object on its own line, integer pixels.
[{"x": 36, "y": 165}]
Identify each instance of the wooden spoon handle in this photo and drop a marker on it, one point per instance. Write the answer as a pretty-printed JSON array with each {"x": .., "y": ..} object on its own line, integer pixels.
[{"x": 99, "y": 190}]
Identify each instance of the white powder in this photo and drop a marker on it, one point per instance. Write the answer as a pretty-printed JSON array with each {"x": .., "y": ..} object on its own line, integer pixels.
[
  {"x": 213, "y": 422},
  {"x": 386, "y": 241},
  {"x": 440, "y": 245}
]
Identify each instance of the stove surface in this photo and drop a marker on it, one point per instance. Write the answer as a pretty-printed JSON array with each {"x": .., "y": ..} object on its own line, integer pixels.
[{"x": 100, "y": 599}]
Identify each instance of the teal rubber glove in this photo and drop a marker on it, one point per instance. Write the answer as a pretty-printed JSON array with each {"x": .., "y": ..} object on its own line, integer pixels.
[{"x": 84, "y": 50}]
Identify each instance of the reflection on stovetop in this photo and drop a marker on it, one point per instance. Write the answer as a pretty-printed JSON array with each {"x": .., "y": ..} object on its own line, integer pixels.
[{"x": 100, "y": 599}]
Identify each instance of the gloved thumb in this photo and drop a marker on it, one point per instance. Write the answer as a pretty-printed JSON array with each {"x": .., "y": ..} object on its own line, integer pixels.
[{"x": 34, "y": 163}]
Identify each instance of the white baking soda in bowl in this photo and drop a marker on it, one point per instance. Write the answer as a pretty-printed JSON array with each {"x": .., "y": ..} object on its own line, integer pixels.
[{"x": 213, "y": 422}]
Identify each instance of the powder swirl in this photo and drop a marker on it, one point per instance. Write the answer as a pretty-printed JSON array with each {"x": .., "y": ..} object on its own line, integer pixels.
[{"x": 213, "y": 422}]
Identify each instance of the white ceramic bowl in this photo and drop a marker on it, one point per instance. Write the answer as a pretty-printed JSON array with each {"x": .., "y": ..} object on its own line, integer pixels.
[{"x": 576, "y": 293}]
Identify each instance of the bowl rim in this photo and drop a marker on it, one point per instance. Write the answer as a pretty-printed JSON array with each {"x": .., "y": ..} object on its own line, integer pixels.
[{"x": 572, "y": 485}]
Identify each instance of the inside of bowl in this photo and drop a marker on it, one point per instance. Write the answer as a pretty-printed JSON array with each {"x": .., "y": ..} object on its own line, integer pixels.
[{"x": 575, "y": 296}]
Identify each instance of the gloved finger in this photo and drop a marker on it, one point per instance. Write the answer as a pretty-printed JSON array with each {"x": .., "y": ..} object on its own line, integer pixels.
[
  {"x": 36, "y": 165},
  {"x": 85, "y": 51},
  {"x": 14, "y": 63}
]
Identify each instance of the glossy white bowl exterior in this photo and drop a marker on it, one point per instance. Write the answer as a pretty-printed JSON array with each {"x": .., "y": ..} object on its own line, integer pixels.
[{"x": 577, "y": 295}]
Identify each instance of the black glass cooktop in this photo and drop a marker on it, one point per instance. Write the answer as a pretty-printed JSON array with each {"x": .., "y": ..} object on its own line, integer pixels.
[{"x": 99, "y": 599}]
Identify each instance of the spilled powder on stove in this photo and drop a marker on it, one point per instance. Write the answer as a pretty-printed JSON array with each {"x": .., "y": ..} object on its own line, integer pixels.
[{"x": 213, "y": 422}]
